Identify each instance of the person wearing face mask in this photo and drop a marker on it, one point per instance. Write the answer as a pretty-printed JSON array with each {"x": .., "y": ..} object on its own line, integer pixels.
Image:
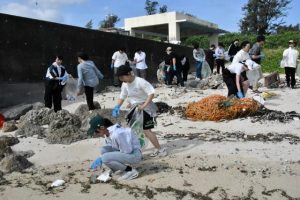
[
  {"x": 290, "y": 58},
  {"x": 141, "y": 93},
  {"x": 173, "y": 67},
  {"x": 56, "y": 78}
]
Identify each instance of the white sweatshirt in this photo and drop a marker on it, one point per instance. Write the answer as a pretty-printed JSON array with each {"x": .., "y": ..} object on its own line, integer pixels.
[{"x": 290, "y": 57}]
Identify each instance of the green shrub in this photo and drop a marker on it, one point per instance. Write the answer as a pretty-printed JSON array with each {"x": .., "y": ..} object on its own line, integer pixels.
[
  {"x": 272, "y": 60},
  {"x": 273, "y": 48}
]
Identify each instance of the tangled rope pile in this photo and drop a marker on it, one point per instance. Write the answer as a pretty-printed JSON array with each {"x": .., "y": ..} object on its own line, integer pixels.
[{"x": 217, "y": 107}]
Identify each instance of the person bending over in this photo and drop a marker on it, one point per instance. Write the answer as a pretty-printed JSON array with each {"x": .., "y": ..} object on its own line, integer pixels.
[{"x": 121, "y": 147}]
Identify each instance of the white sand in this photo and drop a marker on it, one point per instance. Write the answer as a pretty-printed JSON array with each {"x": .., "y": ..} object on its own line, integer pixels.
[{"x": 243, "y": 168}]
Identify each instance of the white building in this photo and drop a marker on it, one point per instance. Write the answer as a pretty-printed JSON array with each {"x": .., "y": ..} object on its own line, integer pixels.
[{"x": 172, "y": 26}]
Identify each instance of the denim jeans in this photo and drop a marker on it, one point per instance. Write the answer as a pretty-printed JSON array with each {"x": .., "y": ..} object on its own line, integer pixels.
[
  {"x": 198, "y": 69},
  {"x": 116, "y": 160}
]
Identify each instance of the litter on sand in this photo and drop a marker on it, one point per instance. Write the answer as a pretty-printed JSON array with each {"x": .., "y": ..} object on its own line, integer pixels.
[
  {"x": 104, "y": 177},
  {"x": 58, "y": 183}
]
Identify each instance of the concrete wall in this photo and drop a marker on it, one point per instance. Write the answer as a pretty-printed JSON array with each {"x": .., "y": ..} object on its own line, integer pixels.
[{"x": 29, "y": 46}]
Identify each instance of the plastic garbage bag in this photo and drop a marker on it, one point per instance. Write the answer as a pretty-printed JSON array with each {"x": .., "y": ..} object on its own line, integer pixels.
[
  {"x": 226, "y": 56},
  {"x": 254, "y": 76},
  {"x": 205, "y": 71},
  {"x": 104, "y": 177},
  {"x": 70, "y": 89},
  {"x": 298, "y": 70},
  {"x": 136, "y": 125},
  {"x": 259, "y": 99},
  {"x": 57, "y": 183}
]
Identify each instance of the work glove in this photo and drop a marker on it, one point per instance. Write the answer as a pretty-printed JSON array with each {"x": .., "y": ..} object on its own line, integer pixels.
[
  {"x": 112, "y": 65},
  {"x": 168, "y": 69},
  {"x": 97, "y": 163},
  {"x": 174, "y": 67},
  {"x": 240, "y": 94},
  {"x": 116, "y": 111},
  {"x": 64, "y": 78}
]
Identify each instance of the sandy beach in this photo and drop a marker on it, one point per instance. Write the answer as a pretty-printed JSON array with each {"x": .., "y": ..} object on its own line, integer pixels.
[{"x": 236, "y": 159}]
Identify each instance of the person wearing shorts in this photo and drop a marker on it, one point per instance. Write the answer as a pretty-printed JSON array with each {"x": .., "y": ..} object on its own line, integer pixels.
[{"x": 141, "y": 93}]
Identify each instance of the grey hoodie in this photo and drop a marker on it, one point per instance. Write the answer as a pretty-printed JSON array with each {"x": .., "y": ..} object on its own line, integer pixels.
[{"x": 88, "y": 74}]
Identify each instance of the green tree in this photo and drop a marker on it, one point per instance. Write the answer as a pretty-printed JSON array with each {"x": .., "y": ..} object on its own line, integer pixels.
[
  {"x": 151, "y": 7},
  {"x": 284, "y": 28},
  {"x": 163, "y": 9},
  {"x": 109, "y": 21},
  {"x": 89, "y": 25},
  {"x": 263, "y": 16}
]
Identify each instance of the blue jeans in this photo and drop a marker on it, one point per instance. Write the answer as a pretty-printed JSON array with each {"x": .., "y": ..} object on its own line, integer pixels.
[
  {"x": 116, "y": 160},
  {"x": 198, "y": 69}
]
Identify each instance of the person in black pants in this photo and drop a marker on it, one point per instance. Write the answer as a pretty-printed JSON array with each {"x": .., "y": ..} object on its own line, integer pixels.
[
  {"x": 220, "y": 56},
  {"x": 210, "y": 57},
  {"x": 88, "y": 76},
  {"x": 185, "y": 63},
  {"x": 173, "y": 67},
  {"x": 235, "y": 75},
  {"x": 56, "y": 78}
]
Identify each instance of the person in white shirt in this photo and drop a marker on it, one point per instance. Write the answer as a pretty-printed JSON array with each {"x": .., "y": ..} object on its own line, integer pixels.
[
  {"x": 141, "y": 94},
  {"x": 241, "y": 56},
  {"x": 220, "y": 57},
  {"x": 121, "y": 147},
  {"x": 199, "y": 56},
  {"x": 119, "y": 58},
  {"x": 56, "y": 78},
  {"x": 140, "y": 62},
  {"x": 290, "y": 57},
  {"x": 233, "y": 76}
]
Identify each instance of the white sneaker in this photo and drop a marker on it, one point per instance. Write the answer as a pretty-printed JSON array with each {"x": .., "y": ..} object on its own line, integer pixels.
[
  {"x": 129, "y": 175},
  {"x": 161, "y": 152},
  {"x": 197, "y": 79}
]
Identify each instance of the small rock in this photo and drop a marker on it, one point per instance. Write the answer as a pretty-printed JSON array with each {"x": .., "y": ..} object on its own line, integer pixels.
[
  {"x": 9, "y": 126},
  {"x": 16, "y": 112},
  {"x": 13, "y": 163}
]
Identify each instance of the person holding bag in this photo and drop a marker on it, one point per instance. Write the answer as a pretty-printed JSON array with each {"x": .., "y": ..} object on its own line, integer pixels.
[
  {"x": 56, "y": 78},
  {"x": 141, "y": 93}
]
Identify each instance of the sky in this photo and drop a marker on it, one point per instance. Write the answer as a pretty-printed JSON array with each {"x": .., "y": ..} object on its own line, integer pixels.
[{"x": 225, "y": 13}]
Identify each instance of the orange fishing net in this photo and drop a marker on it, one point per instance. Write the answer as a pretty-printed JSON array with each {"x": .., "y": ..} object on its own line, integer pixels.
[{"x": 217, "y": 107}]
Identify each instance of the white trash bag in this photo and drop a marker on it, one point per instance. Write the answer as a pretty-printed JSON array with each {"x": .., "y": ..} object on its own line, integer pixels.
[
  {"x": 298, "y": 70},
  {"x": 205, "y": 71},
  {"x": 254, "y": 75},
  {"x": 70, "y": 89}
]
